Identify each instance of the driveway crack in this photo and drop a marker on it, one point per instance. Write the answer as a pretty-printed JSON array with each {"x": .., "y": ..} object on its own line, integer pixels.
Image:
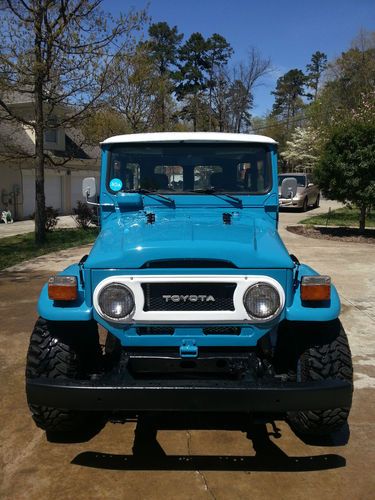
[
  {"x": 200, "y": 473},
  {"x": 358, "y": 308}
]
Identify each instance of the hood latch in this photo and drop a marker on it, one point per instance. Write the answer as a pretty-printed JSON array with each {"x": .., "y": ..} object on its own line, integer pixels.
[
  {"x": 227, "y": 218},
  {"x": 150, "y": 218}
]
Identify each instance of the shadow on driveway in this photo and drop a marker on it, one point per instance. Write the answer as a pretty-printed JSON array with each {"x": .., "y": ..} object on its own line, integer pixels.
[{"x": 149, "y": 455}]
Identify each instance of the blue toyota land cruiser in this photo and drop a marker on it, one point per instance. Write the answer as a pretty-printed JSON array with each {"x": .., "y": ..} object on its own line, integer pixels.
[{"x": 202, "y": 306}]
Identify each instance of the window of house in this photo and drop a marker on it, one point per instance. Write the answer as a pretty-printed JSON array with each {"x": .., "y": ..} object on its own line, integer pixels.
[{"x": 50, "y": 134}]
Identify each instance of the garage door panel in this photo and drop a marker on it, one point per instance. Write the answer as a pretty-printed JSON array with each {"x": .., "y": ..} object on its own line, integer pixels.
[{"x": 52, "y": 190}]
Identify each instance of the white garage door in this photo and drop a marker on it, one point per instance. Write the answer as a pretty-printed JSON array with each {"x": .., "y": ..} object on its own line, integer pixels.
[{"x": 52, "y": 189}]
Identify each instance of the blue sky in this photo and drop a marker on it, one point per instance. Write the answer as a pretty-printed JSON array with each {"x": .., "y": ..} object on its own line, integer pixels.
[{"x": 287, "y": 31}]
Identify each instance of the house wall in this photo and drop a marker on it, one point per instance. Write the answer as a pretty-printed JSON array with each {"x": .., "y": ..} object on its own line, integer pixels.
[
  {"x": 63, "y": 188},
  {"x": 11, "y": 189},
  {"x": 17, "y": 176}
]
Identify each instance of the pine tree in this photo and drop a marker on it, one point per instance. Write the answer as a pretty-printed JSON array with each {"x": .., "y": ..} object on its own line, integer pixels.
[
  {"x": 192, "y": 76},
  {"x": 314, "y": 72},
  {"x": 163, "y": 45}
]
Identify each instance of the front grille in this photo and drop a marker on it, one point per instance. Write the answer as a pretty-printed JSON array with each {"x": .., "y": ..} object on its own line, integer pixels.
[
  {"x": 222, "y": 330},
  {"x": 188, "y": 296},
  {"x": 155, "y": 330}
]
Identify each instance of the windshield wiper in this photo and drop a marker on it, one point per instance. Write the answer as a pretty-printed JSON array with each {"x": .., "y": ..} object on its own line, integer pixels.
[
  {"x": 217, "y": 193},
  {"x": 148, "y": 192}
]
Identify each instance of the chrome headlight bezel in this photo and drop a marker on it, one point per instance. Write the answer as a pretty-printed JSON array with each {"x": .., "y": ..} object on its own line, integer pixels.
[
  {"x": 274, "y": 314},
  {"x": 111, "y": 318}
]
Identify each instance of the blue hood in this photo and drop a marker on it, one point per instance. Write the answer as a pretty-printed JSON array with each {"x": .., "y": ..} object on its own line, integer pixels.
[{"x": 129, "y": 242}]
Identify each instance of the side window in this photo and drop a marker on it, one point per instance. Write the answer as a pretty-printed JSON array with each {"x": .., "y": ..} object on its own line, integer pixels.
[
  {"x": 254, "y": 175},
  {"x": 170, "y": 177},
  {"x": 129, "y": 173},
  {"x": 208, "y": 176}
]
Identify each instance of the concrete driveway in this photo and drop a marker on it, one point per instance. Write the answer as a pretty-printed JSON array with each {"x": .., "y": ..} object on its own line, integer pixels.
[
  {"x": 27, "y": 226},
  {"x": 185, "y": 462}
]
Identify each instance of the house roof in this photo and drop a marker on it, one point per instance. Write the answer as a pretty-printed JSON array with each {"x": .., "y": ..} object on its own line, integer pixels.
[
  {"x": 15, "y": 142},
  {"x": 189, "y": 137}
]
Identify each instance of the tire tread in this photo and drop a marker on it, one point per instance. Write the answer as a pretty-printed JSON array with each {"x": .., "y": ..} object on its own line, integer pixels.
[
  {"x": 321, "y": 362},
  {"x": 54, "y": 352}
]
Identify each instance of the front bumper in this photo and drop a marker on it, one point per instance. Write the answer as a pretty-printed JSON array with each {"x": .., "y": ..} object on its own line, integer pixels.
[
  {"x": 189, "y": 395},
  {"x": 294, "y": 203}
]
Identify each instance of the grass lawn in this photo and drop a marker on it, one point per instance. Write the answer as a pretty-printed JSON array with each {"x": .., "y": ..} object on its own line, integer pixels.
[
  {"x": 341, "y": 217},
  {"x": 15, "y": 249}
]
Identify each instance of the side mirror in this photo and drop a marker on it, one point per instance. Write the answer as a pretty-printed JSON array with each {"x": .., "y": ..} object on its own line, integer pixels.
[
  {"x": 289, "y": 187},
  {"x": 310, "y": 184},
  {"x": 89, "y": 187}
]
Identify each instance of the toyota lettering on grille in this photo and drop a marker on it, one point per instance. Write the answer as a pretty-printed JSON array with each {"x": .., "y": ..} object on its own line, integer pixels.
[{"x": 188, "y": 298}]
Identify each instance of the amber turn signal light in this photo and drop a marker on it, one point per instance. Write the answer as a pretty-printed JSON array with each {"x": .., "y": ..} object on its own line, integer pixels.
[
  {"x": 315, "y": 288},
  {"x": 62, "y": 288}
]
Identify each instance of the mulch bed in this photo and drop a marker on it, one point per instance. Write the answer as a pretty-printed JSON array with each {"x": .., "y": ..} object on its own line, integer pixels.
[{"x": 346, "y": 234}]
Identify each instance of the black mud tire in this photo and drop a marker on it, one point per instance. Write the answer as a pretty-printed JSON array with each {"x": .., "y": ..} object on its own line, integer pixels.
[
  {"x": 331, "y": 360},
  {"x": 62, "y": 350}
]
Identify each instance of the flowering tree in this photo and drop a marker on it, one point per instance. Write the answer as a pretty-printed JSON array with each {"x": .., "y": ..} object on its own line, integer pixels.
[
  {"x": 365, "y": 112},
  {"x": 302, "y": 151}
]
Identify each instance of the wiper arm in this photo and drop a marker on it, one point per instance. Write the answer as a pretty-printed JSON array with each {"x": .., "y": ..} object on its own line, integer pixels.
[
  {"x": 216, "y": 193},
  {"x": 148, "y": 192}
]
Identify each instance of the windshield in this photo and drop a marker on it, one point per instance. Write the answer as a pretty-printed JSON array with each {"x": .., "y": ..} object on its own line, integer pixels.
[
  {"x": 301, "y": 179},
  {"x": 183, "y": 168}
]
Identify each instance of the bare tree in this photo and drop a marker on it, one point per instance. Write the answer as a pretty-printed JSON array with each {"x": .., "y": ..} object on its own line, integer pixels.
[
  {"x": 245, "y": 77},
  {"x": 219, "y": 98},
  {"x": 133, "y": 93},
  {"x": 59, "y": 55}
]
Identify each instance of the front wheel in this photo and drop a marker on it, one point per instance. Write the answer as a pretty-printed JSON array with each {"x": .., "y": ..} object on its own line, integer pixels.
[
  {"x": 331, "y": 360},
  {"x": 305, "y": 205},
  {"x": 63, "y": 350}
]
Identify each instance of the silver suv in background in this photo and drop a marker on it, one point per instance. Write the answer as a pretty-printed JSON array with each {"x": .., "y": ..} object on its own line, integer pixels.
[{"x": 306, "y": 193}]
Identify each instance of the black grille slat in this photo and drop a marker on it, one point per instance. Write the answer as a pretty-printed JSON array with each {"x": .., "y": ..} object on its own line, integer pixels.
[
  {"x": 199, "y": 296},
  {"x": 222, "y": 330},
  {"x": 155, "y": 330}
]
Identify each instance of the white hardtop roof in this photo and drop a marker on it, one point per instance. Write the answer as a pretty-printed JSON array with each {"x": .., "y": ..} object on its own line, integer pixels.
[{"x": 188, "y": 137}]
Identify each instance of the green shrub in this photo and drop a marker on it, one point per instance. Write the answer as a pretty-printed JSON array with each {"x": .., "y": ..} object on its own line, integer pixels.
[
  {"x": 50, "y": 218},
  {"x": 84, "y": 215}
]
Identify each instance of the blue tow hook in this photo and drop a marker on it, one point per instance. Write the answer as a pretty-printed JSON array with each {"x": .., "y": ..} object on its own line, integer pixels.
[{"x": 188, "y": 349}]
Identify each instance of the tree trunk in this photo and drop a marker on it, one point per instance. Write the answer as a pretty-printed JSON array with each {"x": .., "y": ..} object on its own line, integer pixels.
[
  {"x": 362, "y": 219},
  {"x": 210, "y": 107},
  {"x": 163, "y": 107},
  {"x": 163, "y": 128},
  {"x": 195, "y": 117},
  {"x": 40, "y": 233}
]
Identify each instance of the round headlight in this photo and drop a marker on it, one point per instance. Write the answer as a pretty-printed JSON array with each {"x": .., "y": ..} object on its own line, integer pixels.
[
  {"x": 262, "y": 301},
  {"x": 116, "y": 301}
]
